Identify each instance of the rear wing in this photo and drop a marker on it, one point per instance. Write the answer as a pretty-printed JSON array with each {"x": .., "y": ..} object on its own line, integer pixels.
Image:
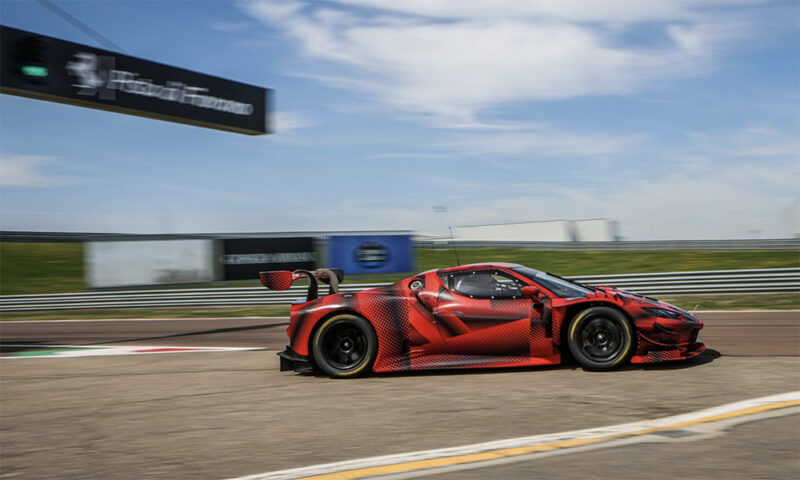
[{"x": 282, "y": 280}]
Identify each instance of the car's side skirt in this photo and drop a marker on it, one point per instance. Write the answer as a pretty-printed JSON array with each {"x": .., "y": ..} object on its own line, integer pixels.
[{"x": 451, "y": 361}]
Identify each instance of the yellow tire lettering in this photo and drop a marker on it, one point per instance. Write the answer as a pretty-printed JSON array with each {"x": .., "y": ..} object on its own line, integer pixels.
[
  {"x": 577, "y": 321},
  {"x": 628, "y": 346},
  {"x": 318, "y": 337},
  {"x": 580, "y": 317}
]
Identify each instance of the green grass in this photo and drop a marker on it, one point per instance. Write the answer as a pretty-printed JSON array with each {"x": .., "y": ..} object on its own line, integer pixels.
[
  {"x": 740, "y": 301},
  {"x": 40, "y": 268}
]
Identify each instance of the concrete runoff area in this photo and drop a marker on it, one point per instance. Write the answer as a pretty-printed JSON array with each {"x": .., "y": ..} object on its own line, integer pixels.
[
  {"x": 695, "y": 425},
  {"x": 764, "y": 449},
  {"x": 223, "y": 415}
]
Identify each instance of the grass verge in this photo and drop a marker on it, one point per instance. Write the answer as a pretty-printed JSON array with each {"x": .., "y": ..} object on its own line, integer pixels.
[
  {"x": 40, "y": 268},
  {"x": 593, "y": 262},
  {"x": 739, "y": 301}
]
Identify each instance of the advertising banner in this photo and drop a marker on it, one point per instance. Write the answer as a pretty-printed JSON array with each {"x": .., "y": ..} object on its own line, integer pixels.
[
  {"x": 46, "y": 68},
  {"x": 371, "y": 253},
  {"x": 243, "y": 258}
]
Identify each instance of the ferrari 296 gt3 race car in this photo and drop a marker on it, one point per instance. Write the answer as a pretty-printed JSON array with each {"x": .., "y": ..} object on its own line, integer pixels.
[{"x": 477, "y": 316}]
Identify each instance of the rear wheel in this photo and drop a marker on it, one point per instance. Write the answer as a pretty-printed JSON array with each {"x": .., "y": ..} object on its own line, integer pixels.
[
  {"x": 600, "y": 338},
  {"x": 345, "y": 346}
]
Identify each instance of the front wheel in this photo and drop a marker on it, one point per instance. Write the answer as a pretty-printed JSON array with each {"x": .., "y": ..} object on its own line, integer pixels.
[
  {"x": 345, "y": 346},
  {"x": 600, "y": 338}
]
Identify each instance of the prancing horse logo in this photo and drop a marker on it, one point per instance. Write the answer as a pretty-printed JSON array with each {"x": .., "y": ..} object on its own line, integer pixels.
[{"x": 85, "y": 68}]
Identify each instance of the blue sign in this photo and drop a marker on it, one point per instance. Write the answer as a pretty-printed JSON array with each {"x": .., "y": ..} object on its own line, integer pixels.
[{"x": 371, "y": 253}]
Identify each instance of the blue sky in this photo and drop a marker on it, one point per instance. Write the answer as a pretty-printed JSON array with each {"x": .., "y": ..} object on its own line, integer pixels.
[{"x": 678, "y": 119}]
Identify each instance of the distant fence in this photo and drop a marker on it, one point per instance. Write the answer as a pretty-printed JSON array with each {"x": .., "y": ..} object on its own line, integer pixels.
[
  {"x": 80, "y": 237},
  {"x": 721, "y": 281},
  {"x": 769, "y": 244}
]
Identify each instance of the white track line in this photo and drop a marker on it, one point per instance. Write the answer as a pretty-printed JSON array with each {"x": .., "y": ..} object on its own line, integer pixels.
[
  {"x": 112, "y": 350},
  {"x": 408, "y": 465}
]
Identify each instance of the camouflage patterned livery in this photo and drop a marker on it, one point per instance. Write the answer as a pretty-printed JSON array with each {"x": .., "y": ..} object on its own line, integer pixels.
[{"x": 479, "y": 316}]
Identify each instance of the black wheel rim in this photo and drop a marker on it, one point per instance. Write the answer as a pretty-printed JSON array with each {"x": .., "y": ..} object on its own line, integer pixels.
[
  {"x": 344, "y": 346},
  {"x": 602, "y": 339}
]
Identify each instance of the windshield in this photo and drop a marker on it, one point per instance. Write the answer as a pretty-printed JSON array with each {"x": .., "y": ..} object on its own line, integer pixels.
[{"x": 557, "y": 285}]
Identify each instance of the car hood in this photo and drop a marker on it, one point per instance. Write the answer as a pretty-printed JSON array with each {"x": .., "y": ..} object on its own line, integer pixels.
[{"x": 654, "y": 302}]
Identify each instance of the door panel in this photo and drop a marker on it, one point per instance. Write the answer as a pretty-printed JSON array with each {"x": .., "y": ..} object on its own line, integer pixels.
[
  {"x": 483, "y": 313},
  {"x": 504, "y": 338},
  {"x": 484, "y": 326}
]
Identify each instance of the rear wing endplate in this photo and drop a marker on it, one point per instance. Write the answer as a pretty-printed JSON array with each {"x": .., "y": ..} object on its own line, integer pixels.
[{"x": 282, "y": 280}]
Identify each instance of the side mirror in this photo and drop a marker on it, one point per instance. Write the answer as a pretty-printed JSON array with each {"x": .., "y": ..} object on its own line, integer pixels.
[{"x": 531, "y": 292}]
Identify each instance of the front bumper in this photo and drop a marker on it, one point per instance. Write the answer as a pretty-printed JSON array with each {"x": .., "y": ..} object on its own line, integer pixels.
[
  {"x": 291, "y": 360},
  {"x": 664, "y": 339},
  {"x": 682, "y": 352}
]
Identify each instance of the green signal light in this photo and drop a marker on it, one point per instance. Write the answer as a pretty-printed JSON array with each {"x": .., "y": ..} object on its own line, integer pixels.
[{"x": 34, "y": 71}]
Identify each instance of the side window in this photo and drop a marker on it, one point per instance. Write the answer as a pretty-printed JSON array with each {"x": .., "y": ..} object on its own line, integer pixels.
[{"x": 485, "y": 284}]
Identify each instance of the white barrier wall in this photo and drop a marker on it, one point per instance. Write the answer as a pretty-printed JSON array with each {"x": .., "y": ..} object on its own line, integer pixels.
[
  {"x": 599, "y": 230},
  {"x": 116, "y": 264},
  {"x": 555, "y": 231}
]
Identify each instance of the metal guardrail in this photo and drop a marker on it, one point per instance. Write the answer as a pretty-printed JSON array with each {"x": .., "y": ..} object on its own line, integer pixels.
[{"x": 721, "y": 281}]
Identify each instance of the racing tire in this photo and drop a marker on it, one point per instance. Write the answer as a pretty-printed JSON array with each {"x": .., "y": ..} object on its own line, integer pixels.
[
  {"x": 600, "y": 338},
  {"x": 344, "y": 346}
]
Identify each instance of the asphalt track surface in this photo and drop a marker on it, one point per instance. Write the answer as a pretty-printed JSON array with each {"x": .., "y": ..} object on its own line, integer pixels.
[
  {"x": 229, "y": 414},
  {"x": 734, "y": 333}
]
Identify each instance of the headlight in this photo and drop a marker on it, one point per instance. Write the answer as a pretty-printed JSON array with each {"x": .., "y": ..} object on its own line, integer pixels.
[{"x": 660, "y": 312}]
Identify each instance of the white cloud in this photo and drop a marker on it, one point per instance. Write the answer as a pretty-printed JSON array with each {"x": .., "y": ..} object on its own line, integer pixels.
[
  {"x": 757, "y": 142},
  {"x": 608, "y": 11},
  {"x": 284, "y": 122},
  {"x": 676, "y": 206},
  {"x": 706, "y": 194},
  {"x": 726, "y": 185},
  {"x": 452, "y": 60},
  {"x": 25, "y": 170}
]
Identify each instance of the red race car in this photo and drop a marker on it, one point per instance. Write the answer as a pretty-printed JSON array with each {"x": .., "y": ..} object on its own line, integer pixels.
[{"x": 477, "y": 316}]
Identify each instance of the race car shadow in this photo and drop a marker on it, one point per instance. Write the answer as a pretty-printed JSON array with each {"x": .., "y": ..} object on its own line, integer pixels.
[
  {"x": 453, "y": 371},
  {"x": 445, "y": 371},
  {"x": 707, "y": 356}
]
